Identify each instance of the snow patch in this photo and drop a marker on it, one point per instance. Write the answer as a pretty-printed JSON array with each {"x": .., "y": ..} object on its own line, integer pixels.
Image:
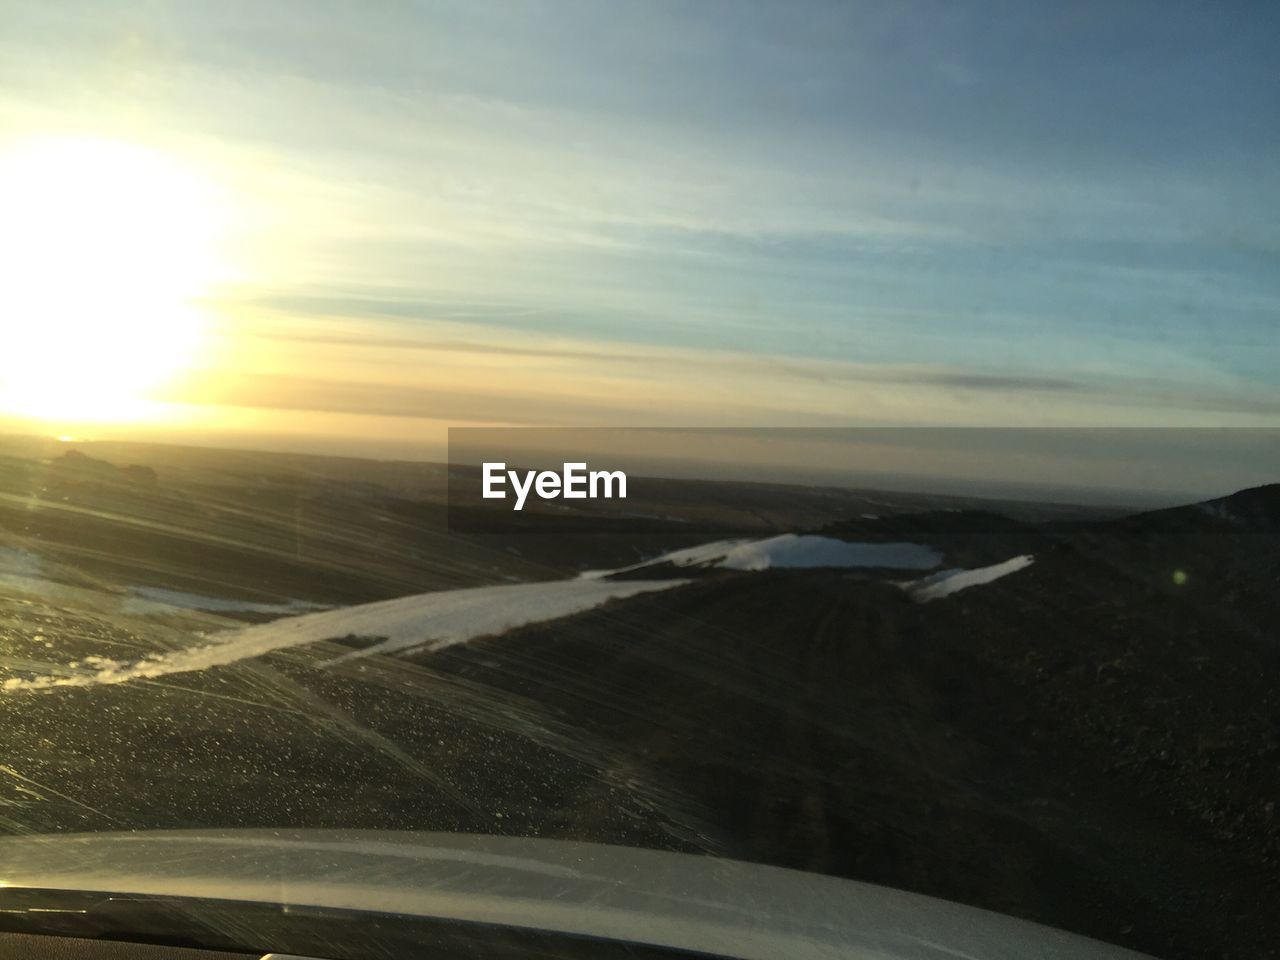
[
  {"x": 159, "y": 600},
  {"x": 790, "y": 551},
  {"x": 952, "y": 581},
  {"x": 433, "y": 621},
  {"x": 16, "y": 562},
  {"x": 24, "y": 572},
  {"x": 429, "y": 620},
  {"x": 1221, "y": 510}
]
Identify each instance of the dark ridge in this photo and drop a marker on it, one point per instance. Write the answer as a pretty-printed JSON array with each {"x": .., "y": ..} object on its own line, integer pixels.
[{"x": 1252, "y": 510}]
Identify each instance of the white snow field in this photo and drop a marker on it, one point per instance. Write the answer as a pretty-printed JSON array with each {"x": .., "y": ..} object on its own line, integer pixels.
[
  {"x": 158, "y": 600},
  {"x": 433, "y": 621},
  {"x": 952, "y": 581},
  {"x": 17, "y": 562},
  {"x": 790, "y": 551},
  {"x": 428, "y": 620}
]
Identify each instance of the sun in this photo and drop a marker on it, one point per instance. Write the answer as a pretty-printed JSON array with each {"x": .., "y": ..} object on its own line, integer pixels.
[{"x": 105, "y": 251}]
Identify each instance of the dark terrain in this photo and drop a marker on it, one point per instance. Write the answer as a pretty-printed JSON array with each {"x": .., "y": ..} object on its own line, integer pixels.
[
  {"x": 1086, "y": 743},
  {"x": 1092, "y": 742}
]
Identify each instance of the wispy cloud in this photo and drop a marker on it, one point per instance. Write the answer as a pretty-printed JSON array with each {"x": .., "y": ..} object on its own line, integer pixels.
[
  {"x": 887, "y": 212},
  {"x": 376, "y": 369}
]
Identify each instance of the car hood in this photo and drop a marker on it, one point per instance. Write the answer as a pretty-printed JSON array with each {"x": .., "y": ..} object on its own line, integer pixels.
[{"x": 704, "y": 904}]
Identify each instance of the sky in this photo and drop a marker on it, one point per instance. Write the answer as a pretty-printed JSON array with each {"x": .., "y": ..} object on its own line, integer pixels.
[{"x": 669, "y": 213}]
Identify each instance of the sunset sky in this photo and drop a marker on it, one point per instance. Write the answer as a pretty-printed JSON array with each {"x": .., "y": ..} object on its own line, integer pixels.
[{"x": 341, "y": 226}]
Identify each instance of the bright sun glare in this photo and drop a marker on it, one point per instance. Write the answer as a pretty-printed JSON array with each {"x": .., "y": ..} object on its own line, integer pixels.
[{"x": 105, "y": 248}]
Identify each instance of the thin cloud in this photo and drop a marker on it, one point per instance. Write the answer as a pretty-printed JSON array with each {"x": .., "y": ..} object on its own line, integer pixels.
[{"x": 865, "y": 211}]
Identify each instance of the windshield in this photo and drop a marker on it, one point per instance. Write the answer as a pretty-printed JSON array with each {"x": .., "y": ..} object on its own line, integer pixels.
[{"x": 831, "y": 436}]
